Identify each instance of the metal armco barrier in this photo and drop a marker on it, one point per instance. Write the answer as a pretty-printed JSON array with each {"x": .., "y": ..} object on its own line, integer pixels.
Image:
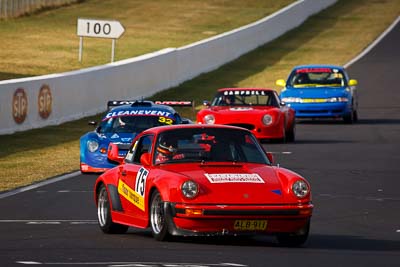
[{"x": 41, "y": 101}]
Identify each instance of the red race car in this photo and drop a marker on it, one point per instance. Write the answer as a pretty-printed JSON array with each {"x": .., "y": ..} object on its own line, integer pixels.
[
  {"x": 194, "y": 180},
  {"x": 256, "y": 109}
]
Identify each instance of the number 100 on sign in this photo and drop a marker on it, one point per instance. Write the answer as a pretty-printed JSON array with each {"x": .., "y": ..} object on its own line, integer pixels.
[{"x": 100, "y": 28}]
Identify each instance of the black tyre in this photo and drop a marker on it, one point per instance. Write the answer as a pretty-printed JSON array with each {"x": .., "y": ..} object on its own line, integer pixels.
[
  {"x": 355, "y": 116},
  {"x": 348, "y": 118},
  {"x": 283, "y": 139},
  {"x": 294, "y": 239},
  {"x": 351, "y": 117},
  {"x": 291, "y": 133},
  {"x": 158, "y": 220},
  {"x": 104, "y": 214}
]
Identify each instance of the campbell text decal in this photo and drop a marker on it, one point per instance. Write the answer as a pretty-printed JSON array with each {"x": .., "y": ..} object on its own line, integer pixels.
[
  {"x": 19, "y": 105},
  {"x": 45, "y": 101}
]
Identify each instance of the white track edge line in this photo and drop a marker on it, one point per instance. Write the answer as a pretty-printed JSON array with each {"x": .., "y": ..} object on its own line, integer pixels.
[
  {"x": 39, "y": 184},
  {"x": 373, "y": 44}
]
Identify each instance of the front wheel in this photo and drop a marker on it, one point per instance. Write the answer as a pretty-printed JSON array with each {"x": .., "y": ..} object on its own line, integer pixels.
[
  {"x": 351, "y": 117},
  {"x": 291, "y": 133},
  {"x": 104, "y": 214},
  {"x": 158, "y": 220}
]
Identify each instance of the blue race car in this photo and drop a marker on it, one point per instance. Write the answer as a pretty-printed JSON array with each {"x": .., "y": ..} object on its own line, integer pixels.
[
  {"x": 320, "y": 91},
  {"x": 123, "y": 121}
]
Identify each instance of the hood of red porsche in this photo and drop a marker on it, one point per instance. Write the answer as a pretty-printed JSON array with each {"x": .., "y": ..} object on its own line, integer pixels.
[{"x": 234, "y": 183}]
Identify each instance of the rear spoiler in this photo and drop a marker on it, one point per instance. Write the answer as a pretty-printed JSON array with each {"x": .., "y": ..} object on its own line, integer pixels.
[
  {"x": 147, "y": 103},
  {"x": 116, "y": 103},
  {"x": 176, "y": 103}
]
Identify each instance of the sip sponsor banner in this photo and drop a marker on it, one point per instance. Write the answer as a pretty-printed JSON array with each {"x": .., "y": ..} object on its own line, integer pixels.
[{"x": 78, "y": 94}]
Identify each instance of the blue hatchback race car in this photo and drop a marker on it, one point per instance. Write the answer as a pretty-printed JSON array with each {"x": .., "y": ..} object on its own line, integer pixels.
[
  {"x": 123, "y": 121},
  {"x": 320, "y": 91}
]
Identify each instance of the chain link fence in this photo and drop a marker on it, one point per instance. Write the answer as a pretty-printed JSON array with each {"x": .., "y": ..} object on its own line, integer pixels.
[{"x": 16, "y": 8}]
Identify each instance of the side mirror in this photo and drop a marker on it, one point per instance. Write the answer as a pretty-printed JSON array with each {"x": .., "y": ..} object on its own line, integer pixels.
[
  {"x": 270, "y": 157},
  {"x": 353, "y": 82},
  {"x": 206, "y": 103},
  {"x": 113, "y": 153},
  {"x": 280, "y": 82},
  {"x": 145, "y": 159}
]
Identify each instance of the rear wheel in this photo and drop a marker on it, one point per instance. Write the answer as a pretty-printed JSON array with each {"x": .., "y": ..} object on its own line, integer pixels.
[
  {"x": 104, "y": 214},
  {"x": 294, "y": 239},
  {"x": 158, "y": 221}
]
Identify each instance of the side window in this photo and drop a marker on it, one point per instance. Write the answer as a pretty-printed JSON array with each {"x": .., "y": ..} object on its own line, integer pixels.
[
  {"x": 275, "y": 100},
  {"x": 143, "y": 146},
  {"x": 131, "y": 151}
]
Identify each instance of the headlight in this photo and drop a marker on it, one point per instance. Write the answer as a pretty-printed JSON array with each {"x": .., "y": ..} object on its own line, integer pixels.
[
  {"x": 300, "y": 189},
  {"x": 190, "y": 189},
  {"x": 338, "y": 99},
  {"x": 209, "y": 119},
  {"x": 291, "y": 100},
  {"x": 92, "y": 145},
  {"x": 267, "y": 119}
]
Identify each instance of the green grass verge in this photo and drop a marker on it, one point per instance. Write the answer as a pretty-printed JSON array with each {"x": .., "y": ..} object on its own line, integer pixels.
[
  {"x": 48, "y": 38},
  {"x": 335, "y": 36}
]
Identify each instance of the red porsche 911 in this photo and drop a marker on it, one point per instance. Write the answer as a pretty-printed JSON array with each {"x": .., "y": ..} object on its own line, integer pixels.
[
  {"x": 202, "y": 180},
  {"x": 256, "y": 109}
]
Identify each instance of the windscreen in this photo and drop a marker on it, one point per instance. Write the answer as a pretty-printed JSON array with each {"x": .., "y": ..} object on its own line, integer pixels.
[
  {"x": 208, "y": 145},
  {"x": 133, "y": 124},
  {"x": 316, "y": 77},
  {"x": 245, "y": 98}
]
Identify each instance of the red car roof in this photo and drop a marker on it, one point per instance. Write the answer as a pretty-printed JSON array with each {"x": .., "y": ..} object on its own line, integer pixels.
[
  {"x": 244, "y": 89},
  {"x": 159, "y": 129}
]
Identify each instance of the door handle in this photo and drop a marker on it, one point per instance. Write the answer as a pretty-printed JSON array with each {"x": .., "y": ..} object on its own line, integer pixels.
[{"x": 123, "y": 173}]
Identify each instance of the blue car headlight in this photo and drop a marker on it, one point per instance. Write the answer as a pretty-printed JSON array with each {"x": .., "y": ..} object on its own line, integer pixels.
[
  {"x": 291, "y": 100},
  {"x": 338, "y": 99},
  {"x": 92, "y": 145}
]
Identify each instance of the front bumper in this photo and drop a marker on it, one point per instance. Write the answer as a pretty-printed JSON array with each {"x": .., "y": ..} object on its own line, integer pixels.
[
  {"x": 217, "y": 220},
  {"x": 95, "y": 162},
  {"x": 325, "y": 110},
  {"x": 260, "y": 131},
  {"x": 90, "y": 169}
]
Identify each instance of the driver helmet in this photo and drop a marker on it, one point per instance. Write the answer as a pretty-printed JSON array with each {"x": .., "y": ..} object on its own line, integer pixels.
[
  {"x": 228, "y": 99},
  {"x": 167, "y": 148},
  {"x": 123, "y": 120}
]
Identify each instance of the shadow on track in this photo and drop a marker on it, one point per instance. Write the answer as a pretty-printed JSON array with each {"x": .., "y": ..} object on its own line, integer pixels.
[
  {"x": 379, "y": 121},
  {"x": 338, "y": 242}
]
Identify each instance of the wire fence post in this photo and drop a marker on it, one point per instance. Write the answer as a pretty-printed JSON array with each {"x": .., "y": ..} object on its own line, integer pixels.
[{"x": 15, "y": 8}]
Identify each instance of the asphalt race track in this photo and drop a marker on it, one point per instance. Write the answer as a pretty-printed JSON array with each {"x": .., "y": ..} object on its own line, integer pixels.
[{"x": 354, "y": 171}]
